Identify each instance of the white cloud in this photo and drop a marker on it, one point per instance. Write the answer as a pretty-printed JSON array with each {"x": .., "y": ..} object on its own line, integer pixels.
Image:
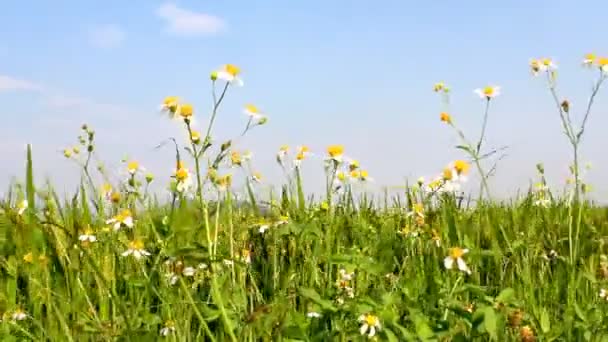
[
  {"x": 183, "y": 22},
  {"x": 107, "y": 36},
  {"x": 8, "y": 83}
]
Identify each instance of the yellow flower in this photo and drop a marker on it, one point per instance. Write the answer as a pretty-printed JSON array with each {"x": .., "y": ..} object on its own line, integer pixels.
[
  {"x": 182, "y": 174},
  {"x": 132, "y": 167},
  {"x": 589, "y": 59},
  {"x": 67, "y": 153},
  {"x": 235, "y": 158},
  {"x": 196, "y": 136},
  {"x": 455, "y": 256},
  {"x": 224, "y": 182},
  {"x": 461, "y": 167},
  {"x": 185, "y": 111},
  {"x": 602, "y": 62},
  {"x": 341, "y": 176},
  {"x": 230, "y": 73},
  {"x": 22, "y": 207},
  {"x": 548, "y": 64},
  {"x": 355, "y": 174},
  {"x": 369, "y": 325},
  {"x": 488, "y": 92},
  {"x": 335, "y": 152},
  {"x": 170, "y": 104},
  {"x": 364, "y": 175},
  {"x": 535, "y": 66},
  {"x": 136, "y": 248},
  {"x": 448, "y": 174},
  {"x": 353, "y": 165},
  {"x": 440, "y": 86},
  {"x": 124, "y": 218},
  {"x": 28, "y": 258},
  {"x": 115, "y": 197},
  {"x": 445, "y": 117},
  {"x": 184, "y": 181},
  {"x": 76, "y": 150}
]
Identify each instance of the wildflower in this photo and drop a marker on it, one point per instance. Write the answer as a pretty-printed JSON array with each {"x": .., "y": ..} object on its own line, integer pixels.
[
  {"x": 527, "y": 334},
  {"x": 224, "y": 182},
  {"x": 133, "y": 167},
  {"x": 168, "y": 328},
  {"x": 445, "y": 117},
  {"x": 256, "y": 177},
  {"x": 28, "y": 258},
  {"x": 123, "y": 219},
  {"x": 436, "y": 238},
  {"x": 246, "y": 256},
  {"x": 185, "y": 111},
  {"x": 263, "y": 228},
  {"x": 189, "y": 271},
  {"x": 195, "y": 136},
  {"x": 76, "y": 150},
  {"x": 353, "y": 165},
  {"x": 461, "y": 167},
  {"x": 488, "y": 92},
  {"x": 235, "y": 158},
  {"x": 589, "y": 60},
  {"x": 435, "y": 185},
  {"x": 22, "y": 207},
  {"x": 456, "y": 255},
  {"x": 417, "y": 210},
  {"x": 313, "y": 314},
  {"x": 136, "y": 248},
  {"x": 184, "y": 180},
  {"x": 440, "y": 86},
  {"x": 342, "y": 177},
  {"x": 535, "y": 66},
  {"x": 170, "y": 104},
  {"x": 420, "y": 181},
  {"x": 515, "y": 318},
  {"x": 253, "y": 112},
  {"x": 604, "y": 294},
  {"x": 303, "y": 152},
  {"x": 547, "y": 64},
  {"x": 370, "y": 324},
  {"x": 87, "y": 236},
  {"x": 283, "y": 150},
  {"x": 364, "y": 176},
  {"x": 281, "y": 221},
  {"x": 115, "y": 197},
  {"x": 345, "y": 275},
  {"x": 229, "y": 73},
  {"x": 603, "y": 64},
  {"x": 67, "y": 153},
  {"x": 335, "y": 152},
  {"x": 19, "y": 315}
]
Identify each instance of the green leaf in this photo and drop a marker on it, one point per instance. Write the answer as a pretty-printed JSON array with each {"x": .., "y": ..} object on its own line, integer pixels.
[
  {"x": 465, "y": 148},
  {"x": 490, "y": 322},
  {"x": 316, "y": 298},
  {"x": 579, "y": 312},
  {"x": 545, "y": 324},
  {"x": 506, "y": 296},
  {"x": 391, "y": 337}
]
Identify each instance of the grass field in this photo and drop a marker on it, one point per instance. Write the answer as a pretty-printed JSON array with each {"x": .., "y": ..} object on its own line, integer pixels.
[{"x": 115, "y": 262}]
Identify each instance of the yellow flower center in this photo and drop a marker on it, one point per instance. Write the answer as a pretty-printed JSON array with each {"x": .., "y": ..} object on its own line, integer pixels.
[
  {"x": 438, "y": 86},
  {"x": 186, "y": 110},
  {"x": 170, "y": 101},
  {"x": 257, "y": 176},
  {"x": 106, "y": 188},
  {"x": 137, "y": 245},
  {"x": 546, "y": 61},
  {"x": 232, "y": 69},
  {"x": 590, "y": 57},
  {"x": 29, "y": 257},
  {"x": 284, "y": 148},
  {"x": 447, "y": 174},
  {"x": 354, "y": 164},
  {"x": 335, "y": 150},
  {"x": 196, "y": 136},
  {"x": 456, "y": 252},
  {"x": 252, "y": 109},
  {"x": 363, "y": 174},
  {"x": 445, "y": 117},
  {"x": 300, "y": 156},
  {"x": 115, "y": 197},
  {"x": 235, "y": 157},
  {"x": 488, "y": 91},
  {"x": 371, "y": 320},
  {"x": 304, "y": 149},
  {"x": 461, "y": 167},
  {"x": 182, "y": 174},
  {"x": 132, "y": 166},
  {"x": 341, "y": 176},
  {"x": 355, "y": 174},
  {"x": 602, "y": 62},
  {"x": 418, "y": 208}
]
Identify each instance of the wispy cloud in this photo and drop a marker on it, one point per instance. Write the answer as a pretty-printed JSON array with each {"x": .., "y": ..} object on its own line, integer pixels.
[
  {"x": 8, "y": 83},
  {"x": 107, "y": 36},
  {"x": 184, "y": 22}
]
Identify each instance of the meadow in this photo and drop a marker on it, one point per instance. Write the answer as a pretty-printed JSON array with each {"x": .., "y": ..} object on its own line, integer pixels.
[{"x": 117, "y": 262}]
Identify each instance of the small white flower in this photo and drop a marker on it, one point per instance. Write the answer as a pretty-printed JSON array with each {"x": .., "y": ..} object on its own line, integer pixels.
[
  {"x": 253, "y": 112},
  {"x": 488, "y": 92},
  {"x": 455, "y": 256},
  {"x": 87, "y": 236},
  {"x": 189, "y": 271},
  {"x": 136, "y": 248},
  {"x": 229, "y": 73},
  {"x": 123, "y": 219},
  {"x": 21, "y": 207},
  {"x": 167, "y": 329},
  {"x": 345, "y": 275},
  {"x": 263, "y": 228},
  {"x": 228, "y": 262},
  {"x": 313, "y": 314},
  {"x": 369, "y": 325},
  {"x": 172, "y": 278},
  {"x": 604, "y": 294},
  {"x": 18, "y": 315},
  {"x": 203, "y": 266}
]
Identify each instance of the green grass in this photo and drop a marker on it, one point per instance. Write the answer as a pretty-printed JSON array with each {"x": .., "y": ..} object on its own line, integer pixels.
[{"x": 89, "y": 292}]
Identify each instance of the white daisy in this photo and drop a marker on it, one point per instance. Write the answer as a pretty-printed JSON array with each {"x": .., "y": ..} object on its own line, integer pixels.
[
  {"x": 136, "y": 248},
  {"x": 488, "y": 92},
  {"x": 123, "y": 219},
  {"x": 229, "y": 73},
  {"x": 455, "y": 256},
  {"x": 369, "y": 325}
]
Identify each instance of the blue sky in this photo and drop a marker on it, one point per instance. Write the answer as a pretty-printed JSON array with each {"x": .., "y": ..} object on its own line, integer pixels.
[{"x": 359, "y": 73}]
